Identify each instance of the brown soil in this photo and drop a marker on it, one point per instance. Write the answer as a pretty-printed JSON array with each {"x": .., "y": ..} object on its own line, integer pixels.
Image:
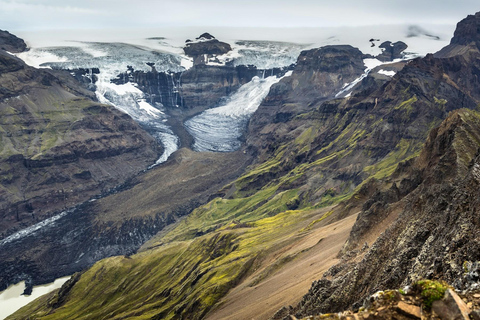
[{"x": 292, "y": 281}]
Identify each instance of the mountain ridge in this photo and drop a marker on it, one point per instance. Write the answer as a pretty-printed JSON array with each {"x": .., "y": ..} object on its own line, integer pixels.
[{"x": 364, "y": 153}]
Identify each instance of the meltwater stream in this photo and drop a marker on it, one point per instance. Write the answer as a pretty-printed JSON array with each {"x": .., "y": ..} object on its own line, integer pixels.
[{"x": 220, "y": 129}]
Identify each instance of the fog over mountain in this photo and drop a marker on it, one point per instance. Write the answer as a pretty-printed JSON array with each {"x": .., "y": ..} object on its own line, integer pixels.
[{"x": 52, "y": 14}]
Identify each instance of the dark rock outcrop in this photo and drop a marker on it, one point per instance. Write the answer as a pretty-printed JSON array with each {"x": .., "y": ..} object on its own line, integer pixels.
[
  {"x": 205, "y": 47},
  {"x": 11, "y": 43},
  {"x": 465, "y": 38},
  {"x": 318, "y": 75},
  {"x": 200, "y": 87},
  {"x": 391, "y": 51},
  {"x": 432, "y": 237}
]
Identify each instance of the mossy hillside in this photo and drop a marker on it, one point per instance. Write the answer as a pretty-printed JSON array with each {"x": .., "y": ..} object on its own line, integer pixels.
[
  {"x": 48, "y": 119},
  {"x": 315, "y": 164},
  {"x": 183, "y": 279},
  {"x": 255, "y": 219}
]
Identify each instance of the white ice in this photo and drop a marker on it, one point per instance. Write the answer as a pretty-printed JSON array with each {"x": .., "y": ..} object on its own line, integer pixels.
[
  {"x": 390, "y": 73},
  {"x": 219, "y": 129}
]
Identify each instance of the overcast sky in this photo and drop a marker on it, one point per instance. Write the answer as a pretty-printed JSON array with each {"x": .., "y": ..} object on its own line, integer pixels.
[{"x": 93, "y": 14}]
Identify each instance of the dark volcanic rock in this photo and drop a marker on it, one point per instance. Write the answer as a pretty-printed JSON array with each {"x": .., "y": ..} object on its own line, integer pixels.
[
  {"x": 11, "y": 43},
  {"x": 432, "y": 237},
  {"x": 205, "y": 47},
  {"x": 318, "y": 75},
  {"x": 205, "y": 36},
  {"x": 391, "y": 51},
  {"x": 71, "y": 244},
  {"x": 468, "y": 31},
  {"x": 466, "y": 37},
  {"x": 201, "y": 86}
]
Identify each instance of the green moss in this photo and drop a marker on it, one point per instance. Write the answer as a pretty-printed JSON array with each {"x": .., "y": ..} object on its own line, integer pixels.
[
  {"x": 440, "y": 102},
  {"x": 407, "y": 106},
  {"x": 431, "y": 291},
  {"x": 310, "y": 226},
  {"x": 404, "y": 150}
]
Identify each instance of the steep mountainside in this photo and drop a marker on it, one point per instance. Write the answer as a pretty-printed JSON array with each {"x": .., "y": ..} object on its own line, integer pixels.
[
  {"x": 58, "y": 148},
  {"x": 365, "y": 153},
  {"x": 81, "y": 148},
  {"x": 431, "y": 204},
  {"x": 11, "y": 43}
]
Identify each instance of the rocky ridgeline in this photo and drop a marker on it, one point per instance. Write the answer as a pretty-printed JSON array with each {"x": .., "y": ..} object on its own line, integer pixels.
[
  {"x": 424, "y": 215},
  {"x": 465, "y": 38},
  {"x": 423, "y": 300},
  {"x": 432, "y": 203},
  {"x": 201, "y": 86},
  {"x": 11, "y": 43},
  {"x": 391, "y": 51}
]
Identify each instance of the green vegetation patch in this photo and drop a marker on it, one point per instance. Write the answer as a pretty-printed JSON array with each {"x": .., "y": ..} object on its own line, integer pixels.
[{"x": 431, "y": 291}]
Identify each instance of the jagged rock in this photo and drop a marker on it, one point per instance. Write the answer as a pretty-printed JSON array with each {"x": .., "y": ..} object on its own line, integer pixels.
[
  {"x": 451, "y": 307},
  {"x": 467, "y": 31},
  {"x": 205, "y": 36},
  {"x": 204, "y": 48},
  {"x": 466, "y": 37},
  {"x": 55, "y": 134},
  {"x": 11, "y": 43},
  {"x": 198, "y": 87},
  {"x": 391, "y": 51}
]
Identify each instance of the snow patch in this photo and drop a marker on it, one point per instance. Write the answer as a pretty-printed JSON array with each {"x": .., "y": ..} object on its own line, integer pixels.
[
  {"x": 370, "y": 64},
  {"x": 390, "y": 73},
  {"x": 37, "y": 57}
]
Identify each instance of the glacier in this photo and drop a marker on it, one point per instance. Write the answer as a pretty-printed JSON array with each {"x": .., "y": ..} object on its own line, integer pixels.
[
  {"x": 215, "y": 129},
  {"x": 220, "y": 129}
]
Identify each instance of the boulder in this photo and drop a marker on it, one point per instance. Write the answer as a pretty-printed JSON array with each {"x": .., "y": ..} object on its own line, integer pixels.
[{"x": 451, "y": 307}]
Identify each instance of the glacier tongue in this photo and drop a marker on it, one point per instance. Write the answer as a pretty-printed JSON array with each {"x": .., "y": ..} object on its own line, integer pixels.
[
  {"x": 220, "y": 129},
  {"x": 217, "y": 129},
  {"x": 112, "y": 59}
]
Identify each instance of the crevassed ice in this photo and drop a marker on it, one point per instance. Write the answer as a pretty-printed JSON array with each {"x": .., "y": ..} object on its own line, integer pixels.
[
  {"x": 113, "y": 59},
  {"x": 220, "y": 129}
]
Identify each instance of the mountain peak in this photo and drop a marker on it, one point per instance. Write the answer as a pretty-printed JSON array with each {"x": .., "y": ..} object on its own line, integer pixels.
[
  {"x": 467, "y": 31},
  {"x": 466, "y": 38}
]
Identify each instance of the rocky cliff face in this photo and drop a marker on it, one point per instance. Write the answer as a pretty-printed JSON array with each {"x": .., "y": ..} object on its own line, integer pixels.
[
  {"x": 318, "y": 75},
  {"x": 205, "y": 48},
  {"x": 391, "y": 51},
  {"x": 366, "y": 153},
  {"x": 419, "y": 221},
  {"x": 58, "y": 146},
  {"x": 466, "y": 37},
  {"x": 11, "y": 43},
  {"x": 200, "y": 87},
  {"x": 433, "y": 232}
]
